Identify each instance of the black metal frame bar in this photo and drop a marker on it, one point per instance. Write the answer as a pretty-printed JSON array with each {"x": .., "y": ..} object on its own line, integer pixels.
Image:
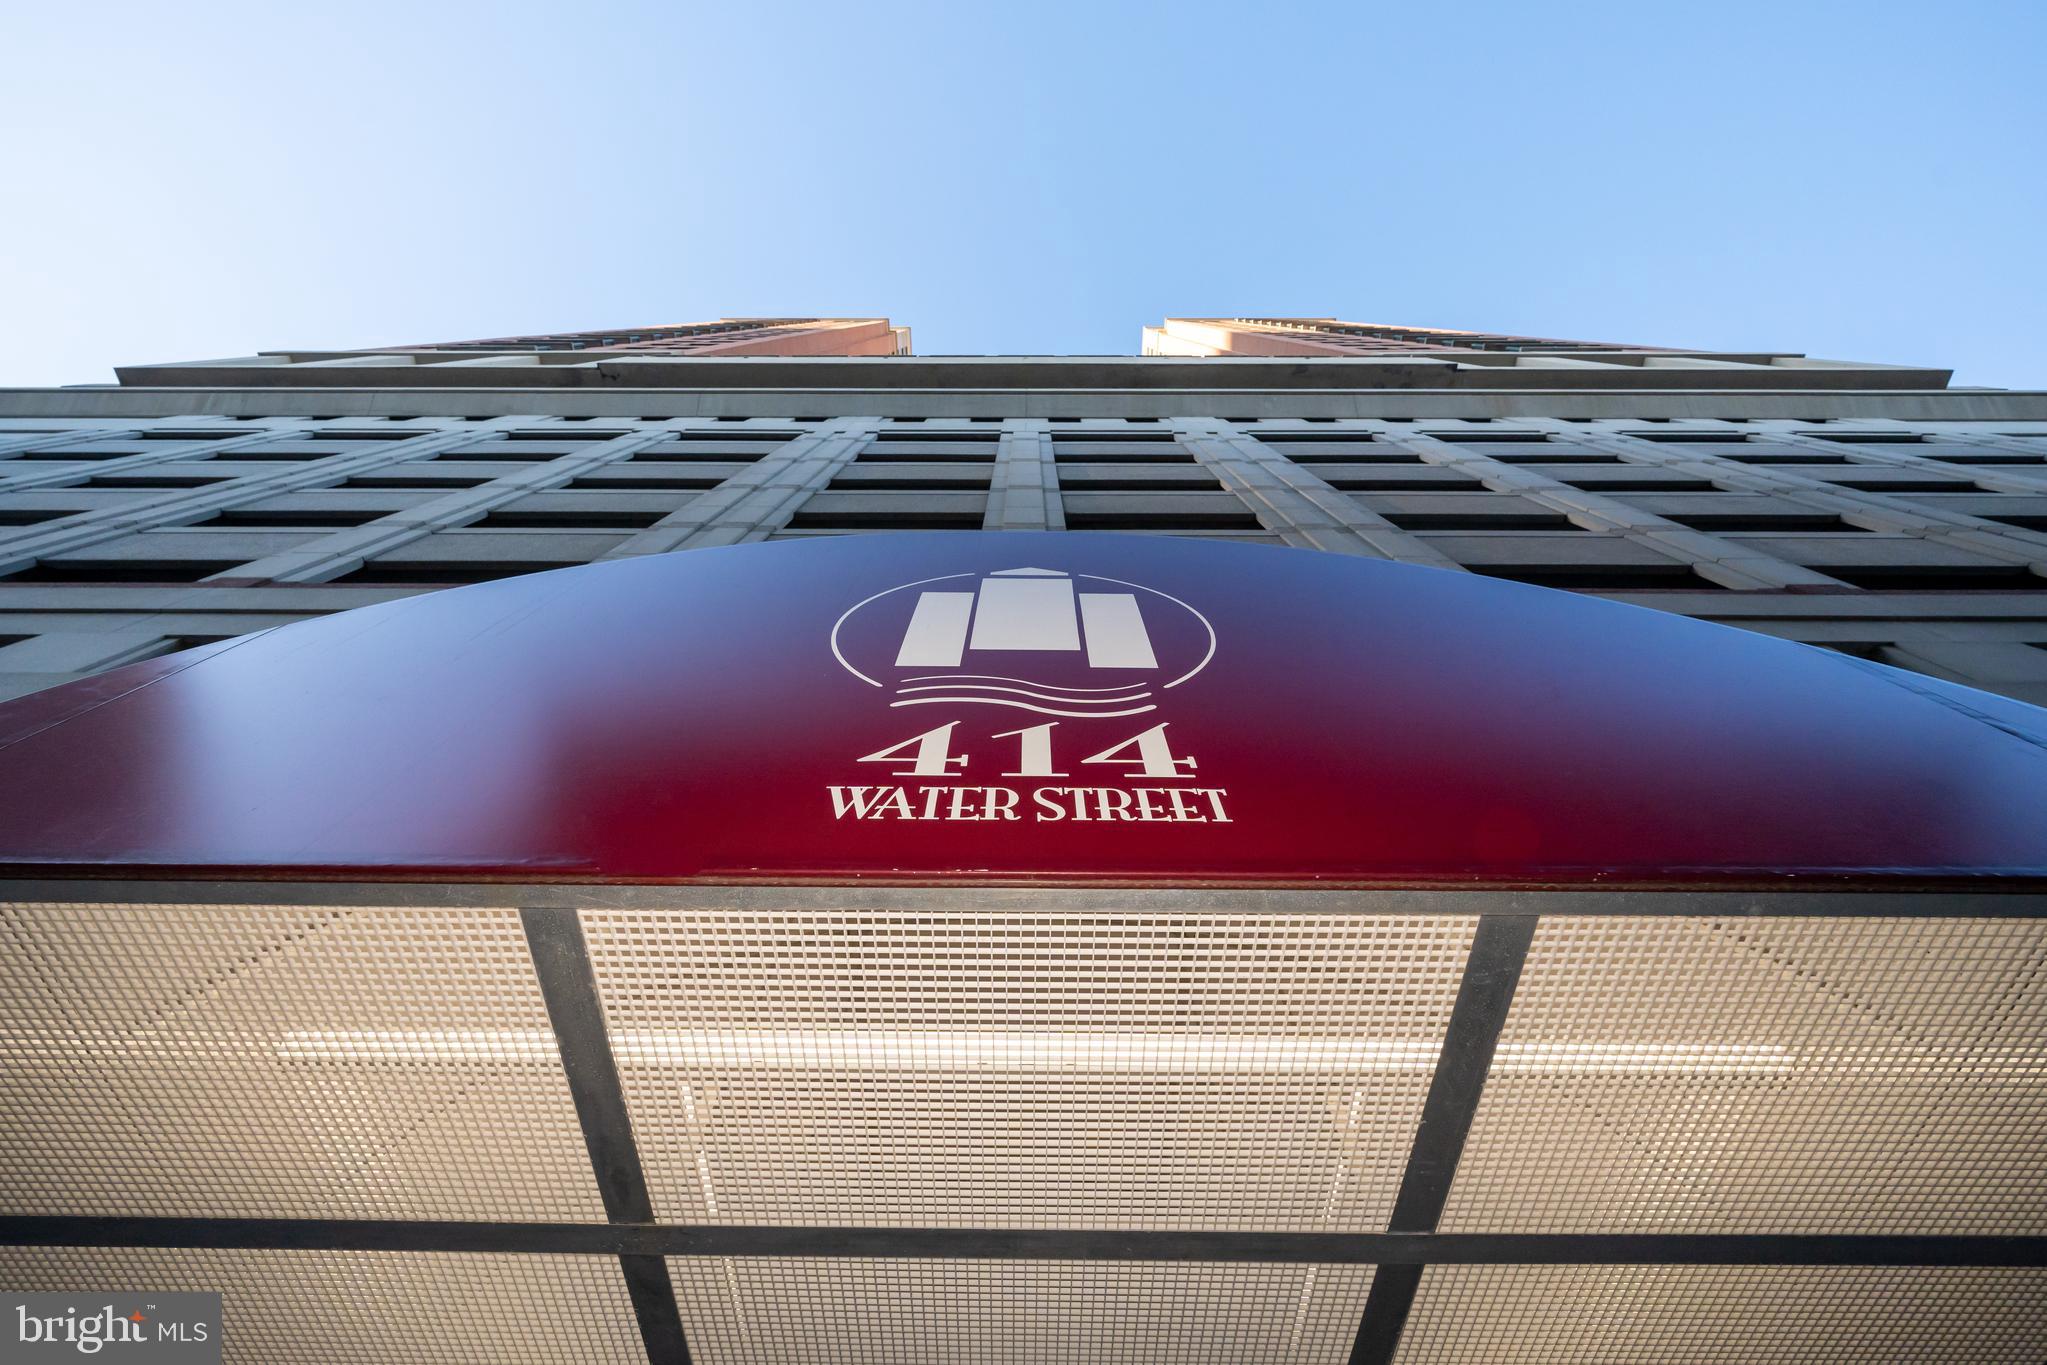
[
  {"x": 1970, "y": 899},
  {"x": 561, "y": 961},
  {"x": 1499, "y": 949},
  {"x": 1389, "y": 1249},
  {"x": 1387, "y": 1305}
]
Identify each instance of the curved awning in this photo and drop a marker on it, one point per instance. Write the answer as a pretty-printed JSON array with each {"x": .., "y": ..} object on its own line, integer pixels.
[{"x": 1012, "y": 707}]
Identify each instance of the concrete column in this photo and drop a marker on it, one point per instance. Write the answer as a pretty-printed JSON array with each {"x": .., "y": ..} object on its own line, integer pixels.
[
  {"x": 184, "y": 505},
  {"x": 345, "y": 550},
  {"x": 1023, "y": 494},
  {"x": 1872, "y": 511},
  {"x": 20, "y": 478},
  {"x": 11, "y": 445},
  {"x": 1720, "y": 561},
  {"x": 1997, "y": 478},
  {"x": 2027, "y": 483},
  {"x": 759, "y": 500},
  {"x": 1295, "y": 503}
]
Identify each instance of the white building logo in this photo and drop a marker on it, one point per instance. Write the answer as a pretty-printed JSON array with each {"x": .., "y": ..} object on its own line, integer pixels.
[
  {"x": 1042, "y": 640},
  {"x": 1079, "y": 648}
]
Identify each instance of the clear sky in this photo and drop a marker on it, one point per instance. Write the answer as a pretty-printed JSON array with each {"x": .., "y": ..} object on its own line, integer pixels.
[{"x": 1858, "y": 180}]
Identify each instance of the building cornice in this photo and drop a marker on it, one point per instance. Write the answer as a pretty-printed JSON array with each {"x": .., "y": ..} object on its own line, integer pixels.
[
  {"x": 1593, "y": 371},
  {"x": 1050, "y": 401}
]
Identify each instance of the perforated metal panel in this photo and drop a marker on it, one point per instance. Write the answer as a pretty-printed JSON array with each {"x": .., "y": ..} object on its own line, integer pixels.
[
  {"x": 918, "y": 1312},
  {"x": 1767, "y": 1075},
  {"x": 1083, "y": 1070},
  {"x": 1220, "y": 1070},
  {"x": 1726, "y": 1315},
  {"x": 371, "y": 1307},
  {"x": 283, "y": 1062}
]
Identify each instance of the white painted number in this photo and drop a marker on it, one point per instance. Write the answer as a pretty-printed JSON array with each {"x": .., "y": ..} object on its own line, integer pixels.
[
  {"x": 1035, "y": 760},
  {"x": 934, "y": 754},
  {"x": 930, "y": 754},
  {"x": 1154, "y": 755}
]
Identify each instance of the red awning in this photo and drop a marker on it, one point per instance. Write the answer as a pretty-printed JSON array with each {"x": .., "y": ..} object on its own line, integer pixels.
[{"x": 1014, "y": 707}]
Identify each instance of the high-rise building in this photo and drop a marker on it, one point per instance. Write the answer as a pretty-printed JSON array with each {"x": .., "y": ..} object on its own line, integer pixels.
[
  {"x": 774, "y": 942},
  {"x": 1331, "y": 337},
  {"x": 1866, "y": 508},
  {"x": 726, "y": 336}
]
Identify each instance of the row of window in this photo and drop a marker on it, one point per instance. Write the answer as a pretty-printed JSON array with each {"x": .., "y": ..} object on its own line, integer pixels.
[
  {"x": 1666, "y": 492},
  {"x": 1471, "y": 429},
  {"x": 1125, "y": 476},
  {"x": 1530, "y": 546},
  {"x": 1598, "y": 578}
]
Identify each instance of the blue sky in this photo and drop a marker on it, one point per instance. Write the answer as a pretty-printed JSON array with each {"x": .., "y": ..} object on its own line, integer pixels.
[{"x": 1865, "y": 181}]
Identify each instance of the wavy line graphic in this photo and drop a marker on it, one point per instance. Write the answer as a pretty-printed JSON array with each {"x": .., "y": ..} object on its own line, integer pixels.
[
  {"x": 1027, "y": 692},
  {"x": 1027, "y": 682},
  {"x": 1020, "y": 705}
]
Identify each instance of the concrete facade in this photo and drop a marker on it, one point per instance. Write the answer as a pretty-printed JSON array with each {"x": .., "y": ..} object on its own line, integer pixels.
[{"x": 1869, "y": 509}]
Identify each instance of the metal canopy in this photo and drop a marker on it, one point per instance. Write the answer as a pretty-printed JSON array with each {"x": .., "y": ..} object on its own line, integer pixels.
[{"x": 1700, "y": 1001}]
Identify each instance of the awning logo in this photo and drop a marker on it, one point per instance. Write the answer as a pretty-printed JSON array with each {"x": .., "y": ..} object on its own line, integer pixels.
[
  {"x": 1075, "y": 647},
  {"x": 1030, "y": 639}
]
